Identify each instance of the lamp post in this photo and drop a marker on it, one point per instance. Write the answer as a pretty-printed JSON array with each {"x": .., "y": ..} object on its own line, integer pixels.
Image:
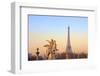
[{"x": 37, "y": 54}]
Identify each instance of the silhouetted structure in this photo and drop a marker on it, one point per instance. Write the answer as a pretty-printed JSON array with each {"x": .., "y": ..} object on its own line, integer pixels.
[
  {"x": 59, "y": 56},
  {"x": 68, "y": 47},
  {"x": 31, "y": 57},
  {"x": 51, "y": 49},
  {"x": 37, "y": 54}
]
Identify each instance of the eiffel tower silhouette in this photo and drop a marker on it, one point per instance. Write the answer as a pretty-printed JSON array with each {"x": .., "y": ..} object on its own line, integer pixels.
[{"x": 68, "y": 47}]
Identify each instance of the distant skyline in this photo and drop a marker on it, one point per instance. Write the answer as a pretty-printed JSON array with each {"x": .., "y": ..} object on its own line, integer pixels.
[{"x": 42, "y": 28}]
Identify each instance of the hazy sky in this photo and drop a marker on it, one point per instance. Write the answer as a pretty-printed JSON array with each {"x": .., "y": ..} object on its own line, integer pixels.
[{"x": 42, "y": 28}]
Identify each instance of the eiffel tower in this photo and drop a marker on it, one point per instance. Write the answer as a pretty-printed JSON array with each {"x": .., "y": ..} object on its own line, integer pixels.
[{"x": 68, "y": 47}]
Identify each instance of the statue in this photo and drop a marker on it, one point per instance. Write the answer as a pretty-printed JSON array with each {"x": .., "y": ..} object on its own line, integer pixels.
[{"x": 51, "y": 49}]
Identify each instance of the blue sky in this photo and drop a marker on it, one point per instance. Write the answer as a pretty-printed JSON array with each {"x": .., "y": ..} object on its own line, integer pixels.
[{"x": 57, "y": 23}]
